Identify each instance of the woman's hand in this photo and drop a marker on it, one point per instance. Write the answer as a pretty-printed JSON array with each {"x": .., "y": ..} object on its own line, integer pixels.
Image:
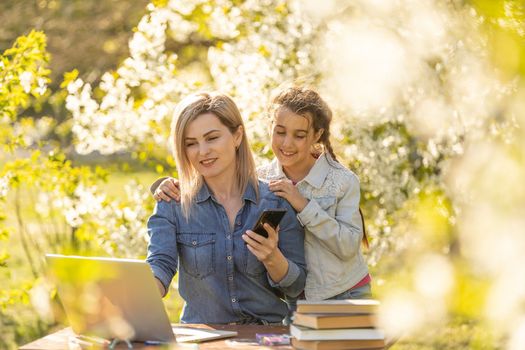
[
  {"x": 267, "y": 251},
  {"x": 167, "y": 190},
  {"x": 162, "y": 290},
  {"x": 263, "y": 248},
  {"x": 287, "y": 190}
]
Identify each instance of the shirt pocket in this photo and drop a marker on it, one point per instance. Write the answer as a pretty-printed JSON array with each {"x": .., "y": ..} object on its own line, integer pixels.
[
  {"x": 252, "y": 266},
  {"x": 328, "y": 204},
  {"x": 197, "y": 253}
]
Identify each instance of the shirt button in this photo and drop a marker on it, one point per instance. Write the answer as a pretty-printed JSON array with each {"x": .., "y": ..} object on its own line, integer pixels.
[
  {"x": 194, "y": 242},
  {"x": 229, "y": 236},
  {"x": 234, "y": 300},
  {"x": 229, "y": 257},
  {"x": 238, "y": 223},
  {"x": 230, "y": 278}
]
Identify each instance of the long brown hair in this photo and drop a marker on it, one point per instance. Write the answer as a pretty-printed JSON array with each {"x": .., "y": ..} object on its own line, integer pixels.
[
  {"x": 308, "y": 103},
  {"x": 225, "y": 109}
]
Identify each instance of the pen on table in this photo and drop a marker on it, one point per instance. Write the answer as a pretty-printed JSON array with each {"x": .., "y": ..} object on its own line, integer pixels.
[{"x": 155, "y": 342}]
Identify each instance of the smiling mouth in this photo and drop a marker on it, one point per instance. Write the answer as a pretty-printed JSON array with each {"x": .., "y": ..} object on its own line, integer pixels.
[
  {"x": 287, "y": 154},
  {"x": 208, "y": 162}
]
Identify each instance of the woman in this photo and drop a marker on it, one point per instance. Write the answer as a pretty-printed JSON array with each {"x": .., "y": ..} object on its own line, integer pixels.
[
  {"x": 228, "y": 273},
  {"x": 322, "y": 191}
]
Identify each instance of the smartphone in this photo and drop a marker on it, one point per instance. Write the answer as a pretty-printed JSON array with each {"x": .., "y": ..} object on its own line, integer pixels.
[{"x": 270, "y": 216}]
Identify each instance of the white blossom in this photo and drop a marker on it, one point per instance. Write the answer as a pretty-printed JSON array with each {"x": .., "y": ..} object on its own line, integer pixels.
[{"x": 26, "y": 81}]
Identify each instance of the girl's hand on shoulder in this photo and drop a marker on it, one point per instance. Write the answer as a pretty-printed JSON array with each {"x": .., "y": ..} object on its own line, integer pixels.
[
  {"x": 168, "y": 190},
  {"x": 264, "y": 248},
  {"x": 287, "y": 190}
]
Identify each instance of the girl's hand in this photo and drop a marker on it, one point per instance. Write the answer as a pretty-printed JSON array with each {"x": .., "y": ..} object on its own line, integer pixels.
[
  {"x": 287, "y": 190},
  {"x": 168, "y": 190}
]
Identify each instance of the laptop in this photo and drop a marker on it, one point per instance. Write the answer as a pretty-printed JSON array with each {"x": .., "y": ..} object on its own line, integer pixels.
[{"x": 117, "y": 299}]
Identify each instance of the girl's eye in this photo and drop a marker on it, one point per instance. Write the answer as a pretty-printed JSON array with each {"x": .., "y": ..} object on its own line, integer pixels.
[
  {"x": 190, "y": 144},
  {"x": 280, "y": 132},
  {"x": 300, "y": 136},
  {"x": 213, "y": 138}
]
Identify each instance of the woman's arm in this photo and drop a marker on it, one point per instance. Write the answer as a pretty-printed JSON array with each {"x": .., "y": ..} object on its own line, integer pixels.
[
  {"x": 162, "y": 247},
  {"x": 282, "y": 253}
]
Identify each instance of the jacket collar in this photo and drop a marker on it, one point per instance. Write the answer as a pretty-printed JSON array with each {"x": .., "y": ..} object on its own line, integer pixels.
[
  {"x": 205, "y": 194},
  {"x": 319, "y": 171},
  {"x": 315, "y": 177}
]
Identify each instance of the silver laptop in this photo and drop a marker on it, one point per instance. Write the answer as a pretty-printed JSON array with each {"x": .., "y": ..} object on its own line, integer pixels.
[{"x": 110, "y": 298}]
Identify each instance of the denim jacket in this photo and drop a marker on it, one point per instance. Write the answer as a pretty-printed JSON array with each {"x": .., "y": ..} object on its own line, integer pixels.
[
  {"x": 333, "y": 228},
  {"x": 220, "y": 280}
]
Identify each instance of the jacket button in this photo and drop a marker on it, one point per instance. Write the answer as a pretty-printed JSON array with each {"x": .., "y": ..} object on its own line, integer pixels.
[{"x": 229, "y": 257}]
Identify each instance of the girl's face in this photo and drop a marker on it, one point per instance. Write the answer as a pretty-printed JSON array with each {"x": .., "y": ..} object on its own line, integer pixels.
[
  {"x": 210, "y": 146},
  {"x": 293, "y": 138}
]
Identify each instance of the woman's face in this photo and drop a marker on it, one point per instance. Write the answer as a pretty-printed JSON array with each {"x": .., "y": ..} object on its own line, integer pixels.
[
  {"x": 292, "y": 138},
  {"x": 210, "y": 146}
]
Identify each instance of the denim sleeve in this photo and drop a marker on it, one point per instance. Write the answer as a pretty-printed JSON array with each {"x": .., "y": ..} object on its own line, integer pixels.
[
  {"x": 291, "y": 244},
  {"x": 162, "y": 247}
]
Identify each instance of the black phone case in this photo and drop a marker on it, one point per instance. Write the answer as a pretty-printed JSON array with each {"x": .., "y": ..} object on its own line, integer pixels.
[{"x": 270, "y": 216}]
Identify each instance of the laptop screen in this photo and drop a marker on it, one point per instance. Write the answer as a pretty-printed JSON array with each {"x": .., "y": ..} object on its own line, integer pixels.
[{"x": 110, "y": 298}]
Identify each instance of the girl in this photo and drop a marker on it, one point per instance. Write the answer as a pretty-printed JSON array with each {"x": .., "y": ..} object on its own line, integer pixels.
[
  {"x": 228, "y": 274},
  {"x": 322, "y": 191}
]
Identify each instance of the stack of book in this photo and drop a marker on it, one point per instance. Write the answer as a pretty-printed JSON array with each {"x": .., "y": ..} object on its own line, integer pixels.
[{"x": 337, "y": 324}]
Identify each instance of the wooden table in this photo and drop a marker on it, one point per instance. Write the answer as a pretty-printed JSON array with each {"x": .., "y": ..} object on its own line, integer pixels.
[{"x": 61, "y": 340}]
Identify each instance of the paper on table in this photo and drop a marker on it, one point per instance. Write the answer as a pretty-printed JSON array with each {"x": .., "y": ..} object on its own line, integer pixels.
[{"x": 197, "y": 335}]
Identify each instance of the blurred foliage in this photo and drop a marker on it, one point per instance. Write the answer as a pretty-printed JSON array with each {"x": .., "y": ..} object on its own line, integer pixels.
[
  {"x": 505, "y": 29},
  {"x": 90, "y": 36},
  {"x": 42, "y": 195},
  {"x": 51, "y": 203}
]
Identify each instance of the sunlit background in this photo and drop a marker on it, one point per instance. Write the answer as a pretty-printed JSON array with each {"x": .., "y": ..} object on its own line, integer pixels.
[{"x": 429, "y": 105}]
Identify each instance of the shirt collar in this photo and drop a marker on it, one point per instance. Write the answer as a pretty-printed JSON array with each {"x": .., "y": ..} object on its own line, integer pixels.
[{"x": 205, "y": 194}]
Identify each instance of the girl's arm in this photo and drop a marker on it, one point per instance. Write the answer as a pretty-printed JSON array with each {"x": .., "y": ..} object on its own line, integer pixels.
[
  {"x": 343, "y": 233},
  {"x": 165, "y": 188}
]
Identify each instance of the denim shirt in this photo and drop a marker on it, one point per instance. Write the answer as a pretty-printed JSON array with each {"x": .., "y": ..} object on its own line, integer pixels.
[{"x": 220, "y": 280}]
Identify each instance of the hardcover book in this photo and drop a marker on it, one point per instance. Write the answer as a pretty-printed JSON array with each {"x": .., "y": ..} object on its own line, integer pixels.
[
  {"x": 328, "y": 321},
  {"x": 337, "y": 344},
  {"x": 362, "y": 306},
  {"x": 303, "y": 333}
]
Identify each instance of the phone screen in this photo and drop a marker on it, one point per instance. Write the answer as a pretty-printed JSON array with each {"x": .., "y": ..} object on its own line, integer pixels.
[{"x": 270, "y": 216}]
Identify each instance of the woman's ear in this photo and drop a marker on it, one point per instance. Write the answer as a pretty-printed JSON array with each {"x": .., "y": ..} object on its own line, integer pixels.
[{"x": 237, "y": 136}]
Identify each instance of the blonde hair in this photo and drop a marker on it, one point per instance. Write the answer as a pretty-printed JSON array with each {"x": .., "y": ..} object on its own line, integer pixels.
[{"x": 225, "y": 109}]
